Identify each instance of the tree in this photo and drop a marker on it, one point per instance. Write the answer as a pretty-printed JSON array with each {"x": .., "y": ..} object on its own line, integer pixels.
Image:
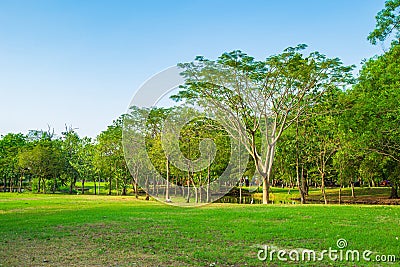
[
  {"x": 83, "y": 162},
  {"x": 387, "y": 23},
  {"x": 109, "y": 157},
  {"x": 44, "y": 161},
  {"x": 326, "y": 136},
  {"x": 196, "y": 135},
  {"x": 261, "y": 99},
  {"x": 70, "y": 147},
  {"x": 293, "y": 156},
  {"x": 167, "y": 145},
  {"x": 346, "y": 162},
  {"x": 135, "y": 131},
  {"x": 376, "y": 107},
  {"x": 10, "y": 145},
  {"x": 160, "y": 158}
]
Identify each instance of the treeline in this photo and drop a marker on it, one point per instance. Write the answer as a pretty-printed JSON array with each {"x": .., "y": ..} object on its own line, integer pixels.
[
  {"x": 43, "y": 162},
  {"x": 322, "y": 128},
  {"x": 347, "y": 138}
]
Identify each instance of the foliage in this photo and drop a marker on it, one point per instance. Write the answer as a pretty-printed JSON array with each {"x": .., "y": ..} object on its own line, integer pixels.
[
  {"x": 261, "y": 99},
  {"x": 295, "y": 109},
  {"x": 387, "y": 23}
]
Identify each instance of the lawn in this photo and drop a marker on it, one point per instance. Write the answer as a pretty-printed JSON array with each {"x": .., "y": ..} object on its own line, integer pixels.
[{"x": 89, "y": 230}]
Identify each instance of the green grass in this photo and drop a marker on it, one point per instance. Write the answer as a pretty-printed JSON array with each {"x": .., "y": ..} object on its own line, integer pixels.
[
  {"x": 363, "y": 195},
  {"x": 277, "y": 194},
  {"x": 88, "y": 230}
]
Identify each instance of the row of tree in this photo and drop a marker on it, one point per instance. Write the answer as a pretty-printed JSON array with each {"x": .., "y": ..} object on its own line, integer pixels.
[
  {"x": 302, "y": 120},
  {"x": 43, "y": 162}
]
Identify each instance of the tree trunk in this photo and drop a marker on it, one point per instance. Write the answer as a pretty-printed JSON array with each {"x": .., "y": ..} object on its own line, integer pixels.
[
  {"x": 44, "y": 186},
  {"x": 188, "y": 191},
  {"x": 116, "y": 186},
  {"x": 95, "y": 187},
  {"x": 188, "y": 185},
  {"x": 124, "y": 185},
  {"x": 4, "y": 184},
  {"x": 300, "y": 176},
  {"x": 323, "y": 187},
  {"x": 208, "y": 184},
  {"x": 301, "y": 184},
  {"x": 196, "y": 196},
  {"x": 265, "y": 190},
  {"x": 20, "y": 184},
  {"x": 83, "y": 186},
  {"x": 182, "y": 187},
  {"x": 147, "y": 188},
  {"x": 208, "y": 181},
  {"x": 157, "y": 188},
  {"x": 307, "y": 182},
  {"x": 304, "y": 184},
  {"x": 240, "y": 191},
  {"x": 72, "y": 184},
  {"x": 340, "y": 194},
  {"x": 267, "y": 178},
  {"x": 200, "y": 194},
  {"x": 167, "y": 185},
  {"x": 264, "y": 170},
  {"x": 54, "y": 184},
  {"x": 11, "y": 185},
  {"x": 353, "y": 194},
  {"x": 135, "y": 187},
  {"x": 109, "y": 185},
  {"x": 373, "y": 183},
  {"x": 99, "y": 185}
]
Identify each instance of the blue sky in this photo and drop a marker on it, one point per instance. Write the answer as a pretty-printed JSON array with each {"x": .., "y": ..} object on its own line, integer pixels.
[{"x": 80, "y": 62}]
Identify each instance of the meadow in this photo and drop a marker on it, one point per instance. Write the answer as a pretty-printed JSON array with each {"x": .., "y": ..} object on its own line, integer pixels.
[{"x": 92, "y": 230}]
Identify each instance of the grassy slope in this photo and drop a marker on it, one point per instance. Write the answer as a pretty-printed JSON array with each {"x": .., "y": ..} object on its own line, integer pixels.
[{"x": 59, "y": 230}]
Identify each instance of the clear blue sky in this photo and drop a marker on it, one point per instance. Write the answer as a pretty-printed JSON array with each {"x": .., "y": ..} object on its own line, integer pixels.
[{"x": 80, "y": 62}]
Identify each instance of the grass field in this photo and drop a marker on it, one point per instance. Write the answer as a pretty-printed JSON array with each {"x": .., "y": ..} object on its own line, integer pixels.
[
  {"x": 278, "y": 195},
  {"x": 88, "y": 230},
  {"x": 366, "y": 195}
]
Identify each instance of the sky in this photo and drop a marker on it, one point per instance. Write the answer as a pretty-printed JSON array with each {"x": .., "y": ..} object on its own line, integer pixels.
[{"x": 79, "y": 63}]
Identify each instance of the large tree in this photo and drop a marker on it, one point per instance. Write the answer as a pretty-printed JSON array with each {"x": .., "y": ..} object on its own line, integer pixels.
[
  {"x": 376, "y": 108},
  {"x": 261, "y": 99},
  {"x": 70, "y": 146},
  {"x": 109, "y": 157}
]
